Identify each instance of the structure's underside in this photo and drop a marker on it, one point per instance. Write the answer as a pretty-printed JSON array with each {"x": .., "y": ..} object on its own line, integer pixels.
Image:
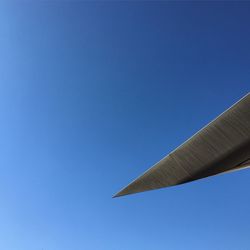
[{"x": 222, "y": 146}]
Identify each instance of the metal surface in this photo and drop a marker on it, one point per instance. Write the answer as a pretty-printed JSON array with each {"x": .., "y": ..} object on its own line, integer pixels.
[{"x": 222, "y": 146}]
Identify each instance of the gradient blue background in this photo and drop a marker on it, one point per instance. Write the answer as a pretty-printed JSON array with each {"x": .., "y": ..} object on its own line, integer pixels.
[{"x": 94, "y": 93}]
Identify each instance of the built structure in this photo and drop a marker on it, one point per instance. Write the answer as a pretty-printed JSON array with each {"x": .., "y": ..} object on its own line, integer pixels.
[{"x": 221, "y": 146}]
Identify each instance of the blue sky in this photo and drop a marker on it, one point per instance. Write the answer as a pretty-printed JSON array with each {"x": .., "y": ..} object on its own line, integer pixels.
[{"x": 86, "y": 92}]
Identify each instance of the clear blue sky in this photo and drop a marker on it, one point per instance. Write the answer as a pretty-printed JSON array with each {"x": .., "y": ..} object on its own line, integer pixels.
[{"x": 86, "y": 92}]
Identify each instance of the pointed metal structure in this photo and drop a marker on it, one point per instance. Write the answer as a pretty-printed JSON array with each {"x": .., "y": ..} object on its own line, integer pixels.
[{"x": 221, "y": 146}]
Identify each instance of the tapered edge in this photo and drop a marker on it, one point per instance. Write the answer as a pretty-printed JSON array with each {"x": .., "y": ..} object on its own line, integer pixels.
[{"x": 129, "y": 190}]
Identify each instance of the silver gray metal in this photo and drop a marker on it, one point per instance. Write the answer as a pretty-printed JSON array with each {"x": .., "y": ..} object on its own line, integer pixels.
[{"x": 221, "y": 146}]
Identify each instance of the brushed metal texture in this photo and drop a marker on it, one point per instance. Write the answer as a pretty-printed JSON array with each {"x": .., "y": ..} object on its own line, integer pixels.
[{"x": 221, "y": 146}]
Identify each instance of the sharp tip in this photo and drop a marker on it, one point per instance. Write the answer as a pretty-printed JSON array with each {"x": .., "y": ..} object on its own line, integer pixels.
[
  {"x": 119, "y": 194},
  {"x": 115, "y": 196},
  {"x": 122, "y": 192}
]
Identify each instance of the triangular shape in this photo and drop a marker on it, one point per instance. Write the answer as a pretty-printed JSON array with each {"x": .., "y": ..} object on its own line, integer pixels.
[{"x": 222, "y": 146}]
